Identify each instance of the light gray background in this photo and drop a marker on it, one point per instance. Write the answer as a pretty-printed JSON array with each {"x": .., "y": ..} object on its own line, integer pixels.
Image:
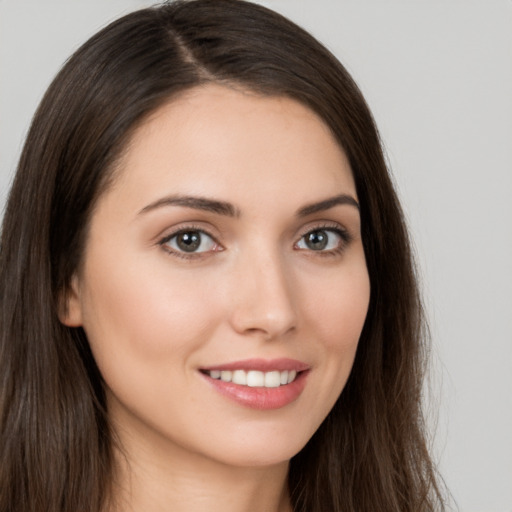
[{"x": 438, "y": 77}]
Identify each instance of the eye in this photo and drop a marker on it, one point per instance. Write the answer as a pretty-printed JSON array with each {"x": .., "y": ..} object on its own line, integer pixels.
[
  {"x": 323, "y": 240},
  {"x": 190, "y": 241}
]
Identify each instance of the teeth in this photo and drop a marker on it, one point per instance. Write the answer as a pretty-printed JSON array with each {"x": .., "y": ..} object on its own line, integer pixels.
[
  {"x": 272, "y": 379},
  {"x": 226, "y": 376},
  {"x": 255, "y": 379},
  {"x": 239, "y": 377}
]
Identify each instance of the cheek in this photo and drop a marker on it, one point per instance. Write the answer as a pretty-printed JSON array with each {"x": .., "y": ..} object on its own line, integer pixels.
[
  {"x": 143, "y": 329},
  {"x": 337, "y": 317},
  {"x": 340, "y": 309},
  {"x": 147, "y": 313}
]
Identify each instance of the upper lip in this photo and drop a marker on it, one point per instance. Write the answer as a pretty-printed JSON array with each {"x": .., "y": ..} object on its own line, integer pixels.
[{"x": 262, "y": 365}]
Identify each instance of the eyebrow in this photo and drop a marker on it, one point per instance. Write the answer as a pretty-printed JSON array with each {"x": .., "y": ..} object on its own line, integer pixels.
[
  {"x": 326, "y": 204},
  {"x": 197, "y": 203},
  {"x": 229, "y": 210}
]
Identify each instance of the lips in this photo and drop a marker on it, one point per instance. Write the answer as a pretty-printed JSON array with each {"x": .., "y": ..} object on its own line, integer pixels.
[{"x": 257, "y": 383}]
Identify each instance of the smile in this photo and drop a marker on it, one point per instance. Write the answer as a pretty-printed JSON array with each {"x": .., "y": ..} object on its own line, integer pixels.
[
  {"x": 259, "y": 383},
  {"x": 255, "y": 378}
]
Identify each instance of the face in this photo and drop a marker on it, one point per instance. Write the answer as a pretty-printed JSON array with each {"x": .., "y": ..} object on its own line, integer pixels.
[{"x": 224, "y": 287}]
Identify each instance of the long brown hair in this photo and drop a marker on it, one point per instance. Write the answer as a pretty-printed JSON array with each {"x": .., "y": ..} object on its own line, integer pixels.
[{"x": 55, "y": 440}]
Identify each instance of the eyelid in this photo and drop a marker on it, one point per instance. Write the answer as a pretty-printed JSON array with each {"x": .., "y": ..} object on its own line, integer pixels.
[
  {"x": 163, "y": 240},
  {"x": 340, "y": 230},
  {"x": 326, "y": 225},
  {"x": 333, "y": 226},
  {"x": 189, "y": 225}
]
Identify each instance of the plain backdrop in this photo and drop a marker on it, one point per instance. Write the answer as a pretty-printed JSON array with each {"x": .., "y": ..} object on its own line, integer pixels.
[{"x": 438, "y": 77}]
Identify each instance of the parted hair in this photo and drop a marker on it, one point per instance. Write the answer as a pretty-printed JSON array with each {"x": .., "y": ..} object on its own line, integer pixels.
[{"x": 56, "y": 443}]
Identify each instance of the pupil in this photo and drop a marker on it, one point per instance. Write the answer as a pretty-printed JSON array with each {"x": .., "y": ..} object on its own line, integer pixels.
[
  {"x": 189, "y": 241},
  {"x": 317, "y": 240}
]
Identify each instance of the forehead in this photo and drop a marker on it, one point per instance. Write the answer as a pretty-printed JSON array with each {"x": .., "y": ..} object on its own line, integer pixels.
[{"x": 229, "y": 142}]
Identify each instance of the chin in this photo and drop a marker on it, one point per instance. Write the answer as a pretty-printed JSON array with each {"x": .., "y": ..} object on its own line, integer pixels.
[{"x": 262, "y": 450}]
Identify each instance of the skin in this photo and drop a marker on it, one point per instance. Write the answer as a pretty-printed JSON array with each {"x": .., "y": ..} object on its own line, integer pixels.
[{"x": 154, "y": 316}]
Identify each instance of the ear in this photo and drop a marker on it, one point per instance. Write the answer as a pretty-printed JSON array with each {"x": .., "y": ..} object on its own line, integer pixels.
[{"x": 70, "y": 305}]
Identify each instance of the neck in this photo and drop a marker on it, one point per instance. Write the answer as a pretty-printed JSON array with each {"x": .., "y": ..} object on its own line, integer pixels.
[{"x": 164, "y": 479}]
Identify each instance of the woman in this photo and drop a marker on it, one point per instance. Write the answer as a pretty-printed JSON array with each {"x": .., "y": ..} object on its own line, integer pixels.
[{"x": 208, "y": 299}]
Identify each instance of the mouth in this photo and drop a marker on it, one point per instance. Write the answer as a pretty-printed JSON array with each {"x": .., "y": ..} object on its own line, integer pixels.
[
  {"x": 254, "y": 378},
  {"x": 259, "y": 384}
]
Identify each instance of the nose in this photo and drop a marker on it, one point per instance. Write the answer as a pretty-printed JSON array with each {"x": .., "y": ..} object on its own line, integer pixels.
[{"x": 263, "y": 299}]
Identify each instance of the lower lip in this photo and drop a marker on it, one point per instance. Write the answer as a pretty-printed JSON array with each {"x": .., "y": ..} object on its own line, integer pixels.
[{"x": 261, "y": 398}]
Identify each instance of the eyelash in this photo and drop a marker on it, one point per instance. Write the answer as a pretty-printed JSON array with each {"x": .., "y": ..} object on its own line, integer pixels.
[
  {"x": 344, "y": 235},
  {"x": 187, "y": 256}
]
